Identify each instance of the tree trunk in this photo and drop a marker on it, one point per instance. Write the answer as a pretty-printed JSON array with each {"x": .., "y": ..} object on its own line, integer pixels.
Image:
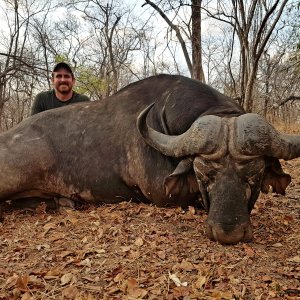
[
  {"x": 267, "y": 87},
  {"x": 249, "y": 90},
  {"x": 196, "y": 41}
]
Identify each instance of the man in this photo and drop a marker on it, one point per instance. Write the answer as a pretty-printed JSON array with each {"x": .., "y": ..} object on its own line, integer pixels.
[{"x": 62, "y": 94}]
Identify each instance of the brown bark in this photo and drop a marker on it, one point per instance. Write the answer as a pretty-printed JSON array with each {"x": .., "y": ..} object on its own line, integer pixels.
[{"x": 196, "y": 41}]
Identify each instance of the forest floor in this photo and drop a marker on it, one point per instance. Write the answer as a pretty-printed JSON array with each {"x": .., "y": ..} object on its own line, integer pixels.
[{"x": 137, "y": 251}]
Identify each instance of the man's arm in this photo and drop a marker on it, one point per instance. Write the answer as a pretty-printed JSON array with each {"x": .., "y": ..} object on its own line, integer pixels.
[
  {"x": 81, "y": 98},
  {"x": 37, "y": 105}
]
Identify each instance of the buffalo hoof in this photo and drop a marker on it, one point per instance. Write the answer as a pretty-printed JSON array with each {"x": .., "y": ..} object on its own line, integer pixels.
[{"x": 230, "y": 234}]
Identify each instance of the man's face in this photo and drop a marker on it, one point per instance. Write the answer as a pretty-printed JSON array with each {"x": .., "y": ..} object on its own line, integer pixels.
[{"x": 63, "y": 81}]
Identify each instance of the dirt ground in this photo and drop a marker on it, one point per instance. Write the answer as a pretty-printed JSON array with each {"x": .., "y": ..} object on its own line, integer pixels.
[{"x": 138, "y": 251}]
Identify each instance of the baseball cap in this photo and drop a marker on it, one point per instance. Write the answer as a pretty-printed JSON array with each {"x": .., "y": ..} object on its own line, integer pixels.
[{"x": 62, "y": 65}]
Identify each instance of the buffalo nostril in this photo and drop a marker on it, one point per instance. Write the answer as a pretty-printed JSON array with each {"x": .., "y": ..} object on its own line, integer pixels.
[{"x": 227, "y": 228}]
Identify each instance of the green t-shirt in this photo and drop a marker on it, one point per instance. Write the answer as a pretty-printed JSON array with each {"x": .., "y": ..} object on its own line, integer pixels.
[{"x": 47, "y": 100}]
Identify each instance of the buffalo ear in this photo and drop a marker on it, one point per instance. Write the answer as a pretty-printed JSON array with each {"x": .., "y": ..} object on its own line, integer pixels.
[
  {"x": 274, "y": 177},
  {"x": 182, "y": 181}
]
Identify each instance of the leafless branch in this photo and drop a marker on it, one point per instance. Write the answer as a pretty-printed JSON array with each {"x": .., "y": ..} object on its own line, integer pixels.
[{"x": 178, "y": 34}]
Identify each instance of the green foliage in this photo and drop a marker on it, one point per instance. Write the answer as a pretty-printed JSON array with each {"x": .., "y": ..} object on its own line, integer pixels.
[
  {"x": 61, "y": 58},
  {"x": 90, "y": 83}
]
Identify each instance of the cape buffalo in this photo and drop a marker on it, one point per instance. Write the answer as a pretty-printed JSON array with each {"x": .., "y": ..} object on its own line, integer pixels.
[{"x": 191, "y": 144}]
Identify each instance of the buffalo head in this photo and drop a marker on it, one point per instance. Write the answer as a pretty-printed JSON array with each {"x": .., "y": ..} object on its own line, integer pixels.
[{"x": 233, "y": 159}]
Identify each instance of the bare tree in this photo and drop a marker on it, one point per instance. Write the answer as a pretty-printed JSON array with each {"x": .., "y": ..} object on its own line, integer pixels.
[
  {"x": 193, "y": 32},
  {"x": 153, "y": 61},
  {"x": 20, "y": 94},
  {"x": 115, "y": 39},
  {"x": 284, "y": 87},
  {"x": 17, "y": 56},
  {"x": 254, "y": 22},
  {"x": 278, "y": 76}
]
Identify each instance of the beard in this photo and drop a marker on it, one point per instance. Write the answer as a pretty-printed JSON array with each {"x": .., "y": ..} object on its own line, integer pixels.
[{"x": 64, "y": 88}]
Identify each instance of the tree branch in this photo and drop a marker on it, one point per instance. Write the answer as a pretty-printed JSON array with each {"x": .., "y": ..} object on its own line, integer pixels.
[
  {"x": 290, "y": 98},
  {"x": 178, "y": 34},
  {"x": 258, "y": 52}
]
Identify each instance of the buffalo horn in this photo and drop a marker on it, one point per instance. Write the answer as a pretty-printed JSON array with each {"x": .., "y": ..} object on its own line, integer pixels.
[
  {"x": 204, "y": 136},
  {"x": 256, "y": 136}
]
